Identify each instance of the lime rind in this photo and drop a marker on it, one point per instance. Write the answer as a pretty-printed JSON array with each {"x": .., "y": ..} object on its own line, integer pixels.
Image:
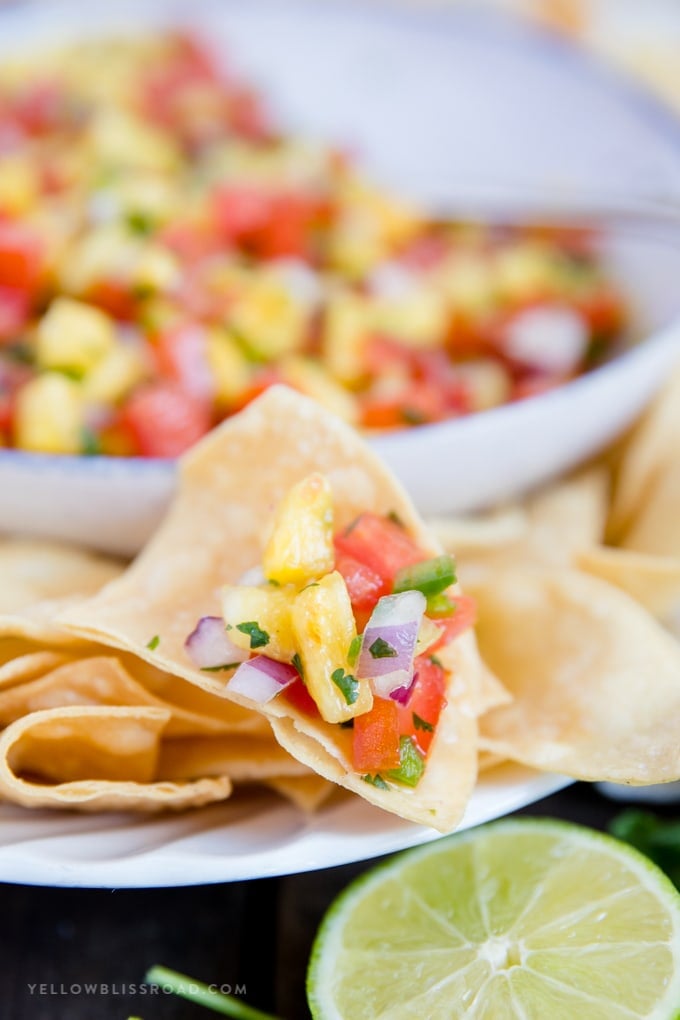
[{"x": 328, "y": 945}]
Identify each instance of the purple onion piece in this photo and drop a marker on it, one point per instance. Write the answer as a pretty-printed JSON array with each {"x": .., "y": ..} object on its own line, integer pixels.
[
  {"x": 401, "y": 638},
  {"x": 260, "y": 679},
  {"x": 209, "y": 647},
  {"x": 403, "y": 694}
]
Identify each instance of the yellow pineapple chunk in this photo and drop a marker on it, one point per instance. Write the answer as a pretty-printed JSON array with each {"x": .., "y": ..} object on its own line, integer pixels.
[
  {"x": 259, "y": 619},
  {"x": 324, "y": 628},
  {"x": 300, "y": 547},
  {"x": 50, "y": 415},
  {"x": 74, "y": 336}
]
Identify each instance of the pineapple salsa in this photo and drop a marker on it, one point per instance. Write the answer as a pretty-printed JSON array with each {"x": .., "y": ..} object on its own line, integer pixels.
[
  {"x": 345, "y": 625},
  {"x": 167, "y": 252}
]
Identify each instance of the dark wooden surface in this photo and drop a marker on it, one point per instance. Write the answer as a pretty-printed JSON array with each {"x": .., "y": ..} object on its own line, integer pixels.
[{"x": 255, "y": 935}]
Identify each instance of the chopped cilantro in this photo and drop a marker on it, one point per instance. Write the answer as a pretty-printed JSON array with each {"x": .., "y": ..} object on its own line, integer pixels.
[
  {"x": 219, "y": 669},
  {"x": 411, "y": 763},
  {"x": 413, "y": 416},
  {"x": 354, "y": 649},
  {"x": 436, "y": 661},
  {"x": 395, "y": 518},
  {"x": 153, "y": 643},
  {"x": 381, "y": 649},
  {"x": 347, "y": 684},
  {"x": 376, "y": 780},
  {"x": 139, "y": 222},
  {"x": 258, "y": 637},
  {"x": 297, "y": 662},
  {"x": 273, "y": 582},
  {"x": 422, "y": 724},
  {"x": 312, "y": 584},
  {"x": 352, "y": 525},
  {"x": 89, "y": 442}
]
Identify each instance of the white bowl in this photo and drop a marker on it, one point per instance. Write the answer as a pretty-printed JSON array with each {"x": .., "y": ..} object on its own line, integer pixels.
[{"x": 465, "y": 112}]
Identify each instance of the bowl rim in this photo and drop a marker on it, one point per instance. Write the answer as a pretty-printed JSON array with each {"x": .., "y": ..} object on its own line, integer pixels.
[{"x": 503, "y": 29}]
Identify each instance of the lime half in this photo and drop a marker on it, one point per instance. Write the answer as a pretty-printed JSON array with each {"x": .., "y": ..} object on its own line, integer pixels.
[{"x": 527, "y": 919}]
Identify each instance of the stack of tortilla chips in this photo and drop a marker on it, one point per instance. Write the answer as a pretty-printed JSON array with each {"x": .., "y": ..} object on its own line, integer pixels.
[{"x": 102, "y": 709}]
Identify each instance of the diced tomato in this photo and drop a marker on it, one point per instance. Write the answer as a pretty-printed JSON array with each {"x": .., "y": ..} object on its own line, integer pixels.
[
  {"x": 20, "y": 257},
  {"x": 365, "y": 587},
  {"x": 299, "y": 697},
  {"x": 14, "y": 310},
  {"x": 287, "y": 231},
  {"x": 380, "y": 544},
  {"x": 463, "y": 617},
  {"x": 247, "y": 115},
  {"x": 189, "y": 241},
  {"x": 165, "y": 420},
  {"x": 375, "y": 737},
  {"x": 181, "y": 355},
  {"x": 268, "y": 225},
  {"x": 40, "y": 107},
  {"x": 425, "y": 252},
  {"x": 534, "y": 386},
  {"x": 114, "y": 297},
  {"x": 428, "y": 697},
  {"x": 240, "y": 212},
  {"x": 604, "y": 310}
]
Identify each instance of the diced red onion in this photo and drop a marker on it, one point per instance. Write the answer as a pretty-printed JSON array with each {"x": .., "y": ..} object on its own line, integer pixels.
[
  {"x": 209, "y": 646},
  {"x": 261, "y": 678},
  {"x": 403, "y": 694},
  {"x": 547, "y": 338},
  {"x": 396, "y": 621}
]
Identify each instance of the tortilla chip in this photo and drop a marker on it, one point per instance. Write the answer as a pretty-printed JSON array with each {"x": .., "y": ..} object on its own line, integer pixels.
[
  {"x": 98, "y": 681},
  {"x": 655, "y": 528},
  {"x": 29, "y": 666},
  {"x": 243, "y": 759},
  {"x": 494, "y": 530},
  {"x": 307, "y": 793},
  {"x": 94, "y": 759},
  {"x": 39, "y": 579},
  {"x": 549, "y": 529},
  {"x": 595, "y": 680},
  {"x": 229, "y": 485},
  {"x": 654, "y": 581},
  {"x": 487, "y": 760},
  {"x": 652, "y": 447}
]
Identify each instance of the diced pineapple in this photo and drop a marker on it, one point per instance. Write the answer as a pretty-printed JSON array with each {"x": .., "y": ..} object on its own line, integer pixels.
[
  {"x": 115, "y": 375},
  {"x": 418, "y": 318},
  {"x": 487, "y": 382},
  {"x": 119, "y": 139},
  {"x": 260, "y": 619},
  {"x": 346, "y": 329},
  {"x": 156, "y": 270},
  {"x": 524, "y": 270},
  {"x": 428, "y": 634},
  {"x": 103, "y": 253},
  {"x": 466, "y": 279},
  {"x": 50, "y": 415},
  {"x": 324, "y": 628},
  {"x": 268, "y": 317},
  {"x": 19, "y": 184},
  {"x": 73, "y": 336},
  {"x": 230, "y": 369},
  {"x": 300, "y": 546},
  {"x": 311, "y": 378}
]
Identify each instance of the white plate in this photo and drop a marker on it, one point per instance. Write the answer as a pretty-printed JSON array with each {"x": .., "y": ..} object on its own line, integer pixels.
[
  {"x": 254, "y": 835},
  {"x": 412, "y": 93}
]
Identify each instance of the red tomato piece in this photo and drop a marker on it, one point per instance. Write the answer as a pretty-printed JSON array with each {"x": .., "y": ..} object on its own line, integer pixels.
[
  {"x": 20, "y": 257},
  {"x": 428, "y": 697},
  {"x": 165, "y": 420},
  {"x": 463, "y": 617},
  {"x": 375, "y": 737},
  {"x": 240, "y": 212},
  {"x": 288, "y": 228},
  {"x": 299, "y": 697},
  {"x": 365, "y": 587},
  {"x": 181, "y": 355},
  {"x": 114, "y": 297},
  {"x": 14, "y": 310},
  {"x": 380, "y": 544}
]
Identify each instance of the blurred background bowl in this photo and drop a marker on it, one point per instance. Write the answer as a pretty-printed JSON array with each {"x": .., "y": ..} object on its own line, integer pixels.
[{"x": 472, "y": 115}]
